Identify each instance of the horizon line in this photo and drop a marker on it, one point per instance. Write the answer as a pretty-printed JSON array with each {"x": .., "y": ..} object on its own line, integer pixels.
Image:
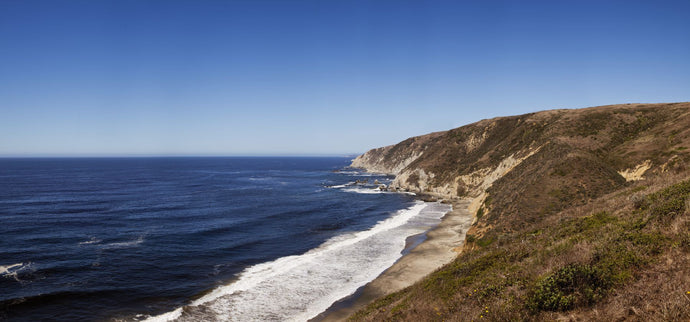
[{"x": 103, "y": 156}]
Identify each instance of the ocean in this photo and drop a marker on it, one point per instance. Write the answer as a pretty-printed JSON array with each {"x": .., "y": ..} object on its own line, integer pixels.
[{"x": 195, "y": 239}]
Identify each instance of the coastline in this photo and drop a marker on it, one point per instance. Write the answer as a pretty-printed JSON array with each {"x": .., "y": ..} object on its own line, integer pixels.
[{"x": 438, "y": 249}]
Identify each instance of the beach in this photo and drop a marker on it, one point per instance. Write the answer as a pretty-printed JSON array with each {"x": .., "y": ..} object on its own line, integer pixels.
[{"x": 440, "y": 247}]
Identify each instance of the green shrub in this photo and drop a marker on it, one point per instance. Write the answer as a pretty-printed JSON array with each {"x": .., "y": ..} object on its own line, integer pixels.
[
  {"x": 480, "y": 212},
  {"x": 570, "y": 286},
  {"x": 671, "y": 201},
  {"x": 487, "y": 201},
  {"x": 684, "y": 242},
  {"x": 486, "y": 240},
  {"x": 470, "y": 238},
  {"x": 638, "y": 200},
  {"x": 595, "y": 221}
]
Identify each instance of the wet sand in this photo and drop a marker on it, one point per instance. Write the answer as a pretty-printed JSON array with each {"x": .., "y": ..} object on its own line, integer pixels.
[{"x": 437, "y": 250}]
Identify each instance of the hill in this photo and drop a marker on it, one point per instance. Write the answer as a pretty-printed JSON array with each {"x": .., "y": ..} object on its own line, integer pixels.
[{"x": 578, "y": 214}]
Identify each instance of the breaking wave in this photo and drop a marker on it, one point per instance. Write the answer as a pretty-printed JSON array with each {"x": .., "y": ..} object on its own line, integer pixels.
[
  {"x": 13, "y": 270},
  {"x": 297, "y": 288}
]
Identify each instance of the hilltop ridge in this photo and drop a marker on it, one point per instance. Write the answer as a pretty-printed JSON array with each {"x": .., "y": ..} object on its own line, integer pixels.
[{"x": 532, "y": 178}]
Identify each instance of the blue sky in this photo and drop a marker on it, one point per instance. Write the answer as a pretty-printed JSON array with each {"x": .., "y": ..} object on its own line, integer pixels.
[{"x": 316, "y": 77}]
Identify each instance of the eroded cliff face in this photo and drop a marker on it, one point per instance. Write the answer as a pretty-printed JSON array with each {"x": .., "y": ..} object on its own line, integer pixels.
[
  {"x": 393, "y": 159},
  {"x": 375, "y": 161},
  {"x": 523, "y": 167},
  {"x": 473, "y": 185}
]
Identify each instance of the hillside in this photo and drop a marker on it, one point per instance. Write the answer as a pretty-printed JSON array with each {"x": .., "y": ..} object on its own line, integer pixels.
[{"x": 579, "y": 214}]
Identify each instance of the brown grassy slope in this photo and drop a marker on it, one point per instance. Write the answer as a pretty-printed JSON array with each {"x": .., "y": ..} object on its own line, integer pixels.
[
  {"x": 580, "y": 154},
  {"x": 563, "y": 234},
  {"x": 619, "y": 134}
]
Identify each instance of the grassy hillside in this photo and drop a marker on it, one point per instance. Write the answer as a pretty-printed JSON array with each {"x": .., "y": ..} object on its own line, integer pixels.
[{"x": 560, "y": 232}]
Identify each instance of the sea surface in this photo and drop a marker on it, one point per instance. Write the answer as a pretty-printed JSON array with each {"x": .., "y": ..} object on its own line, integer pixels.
[{"x": 195, "y": 239}]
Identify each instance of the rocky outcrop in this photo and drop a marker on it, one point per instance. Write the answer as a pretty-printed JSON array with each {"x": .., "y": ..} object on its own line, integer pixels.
[
  {"x": 636, "y": 173},
  {"x": 393, "y": 159},
  {"x": 374, "y": 161}
]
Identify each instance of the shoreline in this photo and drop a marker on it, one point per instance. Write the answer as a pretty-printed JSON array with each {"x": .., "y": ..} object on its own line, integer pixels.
[
  {"x": 435, "y": 251},
  {"x": 347, "y": 298}
]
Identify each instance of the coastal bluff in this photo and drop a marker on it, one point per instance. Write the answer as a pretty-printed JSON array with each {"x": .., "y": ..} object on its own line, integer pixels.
[{"x": 561, "y": 201}]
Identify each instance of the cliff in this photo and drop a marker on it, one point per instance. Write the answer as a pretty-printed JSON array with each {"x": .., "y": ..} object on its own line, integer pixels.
[{"x": 536, "y": 174}]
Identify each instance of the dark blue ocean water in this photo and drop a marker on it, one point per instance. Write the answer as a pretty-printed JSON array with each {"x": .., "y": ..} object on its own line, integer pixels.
[{"x": 130, "y": 238}]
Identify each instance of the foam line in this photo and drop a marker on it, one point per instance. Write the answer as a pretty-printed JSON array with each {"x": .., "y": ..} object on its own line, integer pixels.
[
  {"x": 12, "y": 270},
  {"x": 5, "y": 270},
  {"x": 297, "y": 288},
  {"x": 131, "y": 243},
  {"x": 364, "y": 190}
]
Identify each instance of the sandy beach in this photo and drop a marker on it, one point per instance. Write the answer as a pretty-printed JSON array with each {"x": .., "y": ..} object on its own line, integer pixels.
[{"x": 437, "y": 250}]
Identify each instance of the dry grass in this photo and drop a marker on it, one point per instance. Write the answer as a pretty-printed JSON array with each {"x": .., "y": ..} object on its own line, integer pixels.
[
  {"x": 569, "y": 239},
  {"x": 619, "y": 263}
]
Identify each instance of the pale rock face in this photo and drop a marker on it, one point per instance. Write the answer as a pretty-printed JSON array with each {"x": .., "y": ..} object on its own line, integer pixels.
[
  {"x": 475, "y": 140},
  {"x": 422, "y": 185},
  {"x": 476, "y": 182},
  {"x": 374, "y": 161},
  {"x": 636, "y": 173},
  {"x": 505, "y": 166}
]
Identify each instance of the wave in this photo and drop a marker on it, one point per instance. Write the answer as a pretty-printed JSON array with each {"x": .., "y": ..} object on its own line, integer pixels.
[
  {"x": 93, "y": 240},
  {"x": 8, "y": 269},
  {"x": 361, "y": 173},
  {"x": 297, "y": 288},
  {"x": 126, "y": 244},
  {"x": 366, "y": 190},
  {"x": 12, "y": 270},
  {"x": 97, "y": 242},
  {"x": 339, "y": 186}
]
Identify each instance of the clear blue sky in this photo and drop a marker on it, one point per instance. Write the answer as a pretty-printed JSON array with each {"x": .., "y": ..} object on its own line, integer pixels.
[{"x": 316, "y": 77}]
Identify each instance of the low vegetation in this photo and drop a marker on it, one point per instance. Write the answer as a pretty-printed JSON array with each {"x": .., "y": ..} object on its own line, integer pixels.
[
  {"x": 580, "y": 262},
  {"x": 563, "y": 236}
]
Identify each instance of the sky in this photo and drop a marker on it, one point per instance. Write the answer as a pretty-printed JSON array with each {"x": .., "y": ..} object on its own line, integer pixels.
[{"x": 326, "y": 77}]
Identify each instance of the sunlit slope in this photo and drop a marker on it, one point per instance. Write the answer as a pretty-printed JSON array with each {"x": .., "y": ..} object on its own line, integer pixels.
[{"x": 580, "y": 213}]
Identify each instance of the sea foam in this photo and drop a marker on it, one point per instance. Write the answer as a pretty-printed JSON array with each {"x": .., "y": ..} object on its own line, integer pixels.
[
  {"x": 125, "y": 244},
  {"x": 297, "y": 288},
  {"x": 91, "y": 241},
  {"x": 10, "y": 271},
  {"x": 365, "y": 190}
]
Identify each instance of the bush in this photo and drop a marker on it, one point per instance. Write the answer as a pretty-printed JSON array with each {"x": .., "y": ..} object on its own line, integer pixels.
[
  {"x": 570, "y": 286},
  {"x": 486, "y": 240},
  {"x": 470, "y": 238},
  {"x": 638, "y": 200},
  {"x": 671, "y": 201}
]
